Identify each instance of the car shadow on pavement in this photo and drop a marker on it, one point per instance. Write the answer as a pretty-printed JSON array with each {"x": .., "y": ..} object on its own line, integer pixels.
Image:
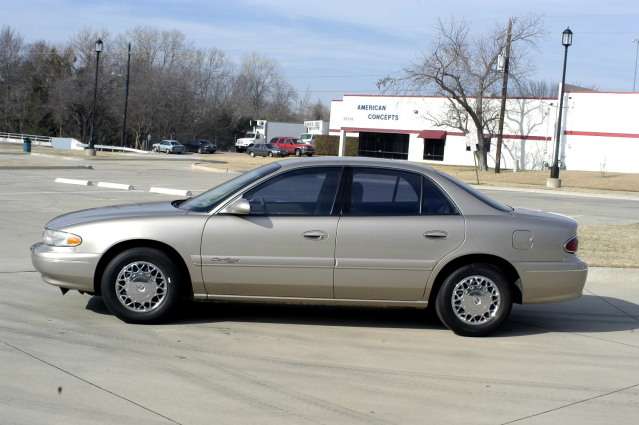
[{"x": 588, "y": 314}]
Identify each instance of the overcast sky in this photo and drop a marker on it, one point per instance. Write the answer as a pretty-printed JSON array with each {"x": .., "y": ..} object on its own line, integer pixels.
[{"x": 335, "y": 46}]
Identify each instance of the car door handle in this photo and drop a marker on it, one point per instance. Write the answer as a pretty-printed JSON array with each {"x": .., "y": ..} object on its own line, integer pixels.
[
  {"x": 315, "y": 235},
  {"x": 436, "y": 234}
]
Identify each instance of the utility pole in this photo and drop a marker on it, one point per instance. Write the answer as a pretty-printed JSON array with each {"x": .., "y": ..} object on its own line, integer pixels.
[
  {"x": 634, "y": 82},
  {"x": 504, "y": 95},
  {"x": 126, "y": 96}
]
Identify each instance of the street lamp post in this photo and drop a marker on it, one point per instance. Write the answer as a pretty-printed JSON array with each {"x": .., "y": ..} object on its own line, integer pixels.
[
  {"x": 566, "y": 40},
  {"x": 126, "y": 96},
  {"x": 634, "y": 82},
  {"x": 98, "y": 50}
]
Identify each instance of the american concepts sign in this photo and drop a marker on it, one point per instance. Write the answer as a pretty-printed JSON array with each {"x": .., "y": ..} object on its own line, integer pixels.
[{"x": 377, "y": 112}]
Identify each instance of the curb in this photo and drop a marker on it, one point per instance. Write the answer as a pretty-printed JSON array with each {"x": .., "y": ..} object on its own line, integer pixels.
[
  {"x": 47, "y": 167},
  {"x": 169, "y": 191},
  {"x": 73, "y": 181},
  {"x": 110, "y": 185},
  {"x": 558, "y": 193}
]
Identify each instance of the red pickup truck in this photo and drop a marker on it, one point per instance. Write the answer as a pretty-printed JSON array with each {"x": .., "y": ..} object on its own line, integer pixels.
[{"x": 293, "y": 146}]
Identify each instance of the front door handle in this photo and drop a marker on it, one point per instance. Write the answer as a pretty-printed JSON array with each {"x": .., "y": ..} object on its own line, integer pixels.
[
  {"x": 436, "y": 234},
  {"x": 315, "y": 235}
]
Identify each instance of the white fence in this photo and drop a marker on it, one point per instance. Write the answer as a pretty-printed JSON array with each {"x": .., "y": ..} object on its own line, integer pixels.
[{"x": 18, "y": 138}]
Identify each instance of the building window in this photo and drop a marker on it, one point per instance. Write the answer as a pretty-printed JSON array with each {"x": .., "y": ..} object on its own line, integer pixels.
[
  {"x": 434, "y": 149},
  {"x": 383, "y": 145}
]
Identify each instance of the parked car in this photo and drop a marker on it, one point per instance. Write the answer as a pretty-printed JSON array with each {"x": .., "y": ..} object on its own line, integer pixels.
[
  {"x": 200, "y": 146},
  {"x": 355, "y": 231},
  {"x": 169, "y": 146},
  {"x": 293, "y": 146},
  {"x": 265, "y": 149}
]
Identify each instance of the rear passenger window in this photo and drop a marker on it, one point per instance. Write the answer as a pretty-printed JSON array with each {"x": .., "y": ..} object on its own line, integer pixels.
[
  {"x": 434, "y": 202},
  {"x": 384, "y": 193}
]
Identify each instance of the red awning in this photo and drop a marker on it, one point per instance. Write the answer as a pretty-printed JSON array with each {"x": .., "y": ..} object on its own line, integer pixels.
[{"x": 432, "y": 134}]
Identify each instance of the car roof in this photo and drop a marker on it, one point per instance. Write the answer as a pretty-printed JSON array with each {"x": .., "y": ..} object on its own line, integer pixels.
[{"x": 356, "y": 161}]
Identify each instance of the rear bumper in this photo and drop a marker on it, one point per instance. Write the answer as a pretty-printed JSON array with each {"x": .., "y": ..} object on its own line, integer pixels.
[
  {"x": 552, "y": 281},
  {"x": 64, "y": 267}
]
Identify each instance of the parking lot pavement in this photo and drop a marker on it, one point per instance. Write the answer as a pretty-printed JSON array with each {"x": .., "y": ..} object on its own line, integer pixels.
[
  {"x": 66, "y": 360},
  {"x": 231, "y": 363}
]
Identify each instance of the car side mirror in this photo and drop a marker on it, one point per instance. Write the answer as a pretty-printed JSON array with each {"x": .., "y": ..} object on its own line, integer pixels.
[{"x": 240, "y": 206}]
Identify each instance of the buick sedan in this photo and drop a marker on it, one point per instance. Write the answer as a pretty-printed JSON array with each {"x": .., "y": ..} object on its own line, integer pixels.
[{"x": 336, "y": 231}]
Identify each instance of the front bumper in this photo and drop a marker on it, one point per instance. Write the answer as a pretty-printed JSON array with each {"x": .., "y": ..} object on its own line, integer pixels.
[
  {"x": 64, "y": 267},
  {"x": 543, "y": 282}
]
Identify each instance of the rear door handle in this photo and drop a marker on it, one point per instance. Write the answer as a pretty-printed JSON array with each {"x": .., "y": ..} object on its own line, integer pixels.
[
  {"x": 315, "y": 235},
  {"x": 436, "y": 234}
]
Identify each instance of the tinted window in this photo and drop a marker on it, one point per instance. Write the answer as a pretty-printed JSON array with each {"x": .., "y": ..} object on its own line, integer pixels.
[
  {"x": 383, "y": 192},
  {"x": 434, "y": 202},
  {"x": 209, "y": 199},
  {"x": 477, "y": 194},
  {"x": 307, "y": 192}
]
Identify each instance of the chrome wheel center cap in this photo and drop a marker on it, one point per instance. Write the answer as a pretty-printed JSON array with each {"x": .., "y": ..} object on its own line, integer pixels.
[
  {"x": 141, "y": 286},
  {"x": 476, "y": 300}
]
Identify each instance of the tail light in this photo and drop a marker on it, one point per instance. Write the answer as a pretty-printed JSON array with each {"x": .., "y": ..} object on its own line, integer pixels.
[{"x": 572, "y": 245}]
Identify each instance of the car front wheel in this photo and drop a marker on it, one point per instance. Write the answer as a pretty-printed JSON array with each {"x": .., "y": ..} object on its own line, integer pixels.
[
  {"x": 474, "y": 300},
  {"x": 252, "y": 154},
  {"x": 141, "y": 285}
]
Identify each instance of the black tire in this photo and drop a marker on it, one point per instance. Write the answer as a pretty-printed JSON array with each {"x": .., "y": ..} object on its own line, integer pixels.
[
  {"x": 298, "y": 152},
  {"x": 270, "y": 154},
  {"x": 444, "y": 301},
  {"x": 252, "y": 154},
  {"x": 165, "y": 308}
]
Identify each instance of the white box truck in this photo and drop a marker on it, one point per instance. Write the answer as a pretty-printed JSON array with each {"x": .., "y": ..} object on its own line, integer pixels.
[
  {"x": 264, "y": 131},
  {"x": 313, "y": 128}
]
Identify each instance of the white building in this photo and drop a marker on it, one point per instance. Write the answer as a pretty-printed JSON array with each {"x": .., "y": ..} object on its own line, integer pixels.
[{"x": 600, "y": 130}]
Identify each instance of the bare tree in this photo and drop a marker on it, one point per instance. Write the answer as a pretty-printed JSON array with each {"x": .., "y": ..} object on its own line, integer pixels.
[
  {"x": 11, "y": 46},
  {"x": 526, "y": 112},
  {"x": 462, "y": 68},
  {"x": 176, "y": 89}
]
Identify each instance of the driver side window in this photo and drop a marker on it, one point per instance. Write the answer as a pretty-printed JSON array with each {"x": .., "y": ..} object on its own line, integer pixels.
[{"x": 306, "y": 192}]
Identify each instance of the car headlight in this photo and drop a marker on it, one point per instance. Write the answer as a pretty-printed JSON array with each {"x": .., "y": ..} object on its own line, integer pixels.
[{"x": 59, "y": 238}]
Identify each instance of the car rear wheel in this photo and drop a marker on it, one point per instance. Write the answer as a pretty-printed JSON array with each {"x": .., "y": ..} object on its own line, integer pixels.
[
  {"x": 141, "y": 285},
  {"x": 474, "y": 300},
  {"x": 298, "y": 152},
  {"x": 252, "y": 154}
]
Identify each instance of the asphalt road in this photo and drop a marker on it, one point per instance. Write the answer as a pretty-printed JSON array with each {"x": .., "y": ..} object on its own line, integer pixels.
[{"x": 66, "y": 360}]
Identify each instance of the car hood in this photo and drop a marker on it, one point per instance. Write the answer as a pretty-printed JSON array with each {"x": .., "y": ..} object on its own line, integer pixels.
[{"x": 114, "y": 212}]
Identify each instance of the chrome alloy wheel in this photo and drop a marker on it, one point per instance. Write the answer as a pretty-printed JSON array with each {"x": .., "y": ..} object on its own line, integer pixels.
[
  {"x": 476, "y": 300},
  {"x": 141, "y": 287}
]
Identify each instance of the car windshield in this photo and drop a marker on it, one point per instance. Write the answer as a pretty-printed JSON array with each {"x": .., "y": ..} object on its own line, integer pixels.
[
  {"x": 268, "y": 146},
  {"x": 209, "y": 199},
  {"x": 477, "y": 194},
  {"x": 250, "y": 135}
]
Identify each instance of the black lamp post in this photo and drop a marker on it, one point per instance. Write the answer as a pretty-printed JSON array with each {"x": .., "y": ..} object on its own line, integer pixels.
[
  {"x": 566, "y": 40},
  {"x": 98, "y": 49},
  {"x": 126, "y": 96}
]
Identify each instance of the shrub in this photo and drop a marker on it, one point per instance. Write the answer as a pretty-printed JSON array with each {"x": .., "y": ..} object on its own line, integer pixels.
[{"x": 328, "y": 145}]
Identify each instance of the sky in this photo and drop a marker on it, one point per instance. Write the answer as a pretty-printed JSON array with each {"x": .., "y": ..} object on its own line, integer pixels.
[{"x": 332, "y": 47}]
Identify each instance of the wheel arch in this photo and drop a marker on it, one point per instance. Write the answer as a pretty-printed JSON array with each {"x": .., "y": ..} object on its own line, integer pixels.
[
  {"x": 504, "y": 265},
  {"x": 120, "y": 247}
]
